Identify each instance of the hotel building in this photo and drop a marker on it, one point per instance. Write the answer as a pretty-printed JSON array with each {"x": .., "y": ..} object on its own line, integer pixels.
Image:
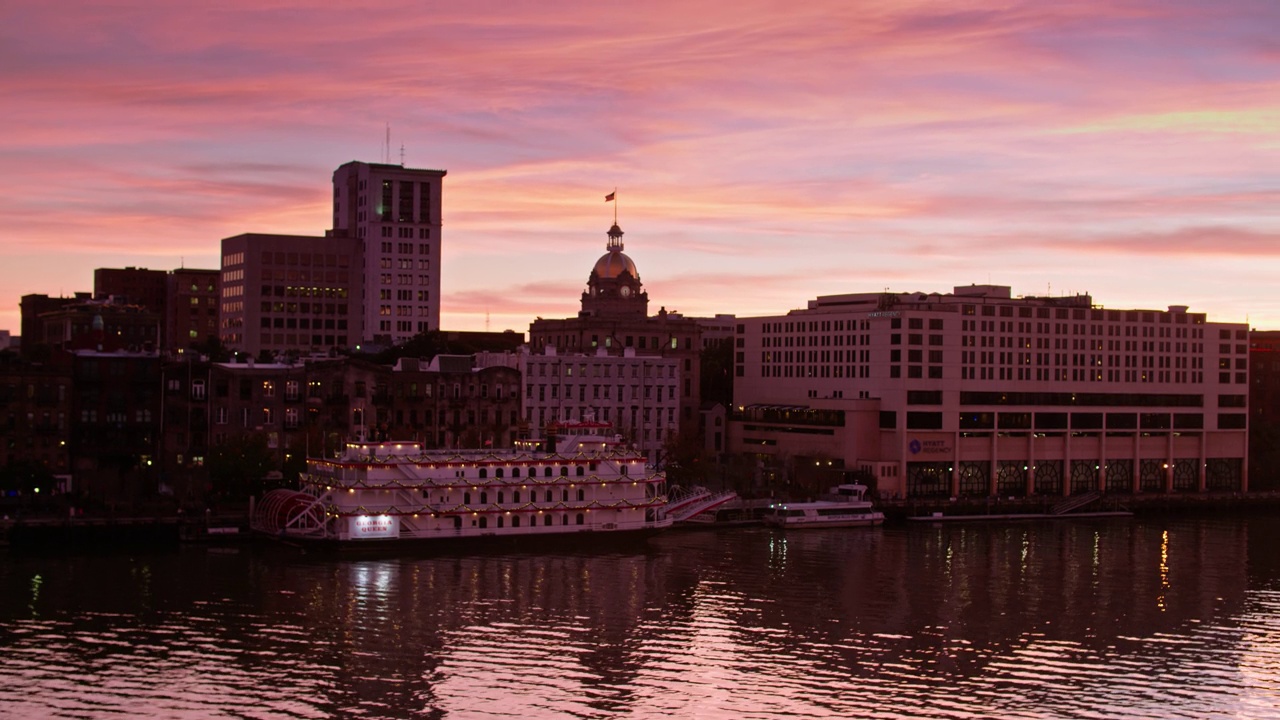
[{"x": 976, "y": 393}]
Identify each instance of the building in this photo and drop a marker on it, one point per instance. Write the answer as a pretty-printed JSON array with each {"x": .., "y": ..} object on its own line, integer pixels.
[
  {"x": 35, "y": 407},
  {"x": 394, "y": 212},
  {"x": 1264, "y": 410},
  {"x": 31, "y": 308},
  {"x": 115, "y": 411},
  {"x": 103, "y": 325},
  {"x": 282, "y": 293},
  {"x": 191, "y": 308},
  {"x": 717, "y": 329},
  {"x": 615, "y": 320},
  {"x": 637, "y": 394},
  {"x": 978, "y": 394},
  {"x": 462, "y": 401},
  {"x": 132, "y": 286}
]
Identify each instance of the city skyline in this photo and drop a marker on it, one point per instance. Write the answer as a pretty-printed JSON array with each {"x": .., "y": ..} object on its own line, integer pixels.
[{"x": 762, "y": 154}]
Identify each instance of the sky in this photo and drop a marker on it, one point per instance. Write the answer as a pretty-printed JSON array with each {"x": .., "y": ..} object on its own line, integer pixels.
[{"x": 764, "y": 153}]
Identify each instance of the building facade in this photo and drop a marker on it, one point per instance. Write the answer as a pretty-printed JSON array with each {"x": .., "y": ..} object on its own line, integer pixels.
[
  {"x": 191, "y": 308},
  {"x": 394, "y": 212},
  {"x": 615, "y": 320},
  {"x": 35, "y": 409},
  {"x": 638, "y": 394},
  {"x": 976, "y": 393},
  {"x": 282, "y": 293},
  {"x": 115, "y": 416},
  {"x": 132, "y": 286}
]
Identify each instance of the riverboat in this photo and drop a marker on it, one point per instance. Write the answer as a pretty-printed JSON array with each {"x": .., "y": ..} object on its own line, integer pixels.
[
  {"x": 844, "y": 506},
  {"x": 583, "y": 482}
]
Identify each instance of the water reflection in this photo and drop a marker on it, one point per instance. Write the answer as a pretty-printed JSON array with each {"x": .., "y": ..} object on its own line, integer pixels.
[{"x": 1124, "y": 618}]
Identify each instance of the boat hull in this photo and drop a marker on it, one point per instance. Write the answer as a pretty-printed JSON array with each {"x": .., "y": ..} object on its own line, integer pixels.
[
  {"x": 578, "y": 539},
  {"x": 798, "y": 523}
]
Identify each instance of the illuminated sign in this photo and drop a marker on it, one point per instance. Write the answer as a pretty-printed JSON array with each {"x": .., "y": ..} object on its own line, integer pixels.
[
  {"x": 935, "y": 447},
  {"x": 374, "y": 526}
]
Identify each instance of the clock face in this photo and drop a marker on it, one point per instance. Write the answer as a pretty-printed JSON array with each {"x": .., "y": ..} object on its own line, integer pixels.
[{"x": 626, "y": 291}]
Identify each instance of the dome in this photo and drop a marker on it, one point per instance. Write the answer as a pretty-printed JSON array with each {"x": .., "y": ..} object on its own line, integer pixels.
[{"x": 613, "y": 264}]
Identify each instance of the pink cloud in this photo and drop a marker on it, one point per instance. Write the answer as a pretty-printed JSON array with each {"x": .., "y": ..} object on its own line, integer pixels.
[{"x": 872, "y": 142}]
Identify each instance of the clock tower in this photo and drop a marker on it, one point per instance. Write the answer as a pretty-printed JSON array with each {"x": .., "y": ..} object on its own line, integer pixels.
[{"x": 613, "y": 288}]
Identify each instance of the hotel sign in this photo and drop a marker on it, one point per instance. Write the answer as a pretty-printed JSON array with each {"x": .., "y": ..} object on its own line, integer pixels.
[
  {"x": 930, "y": 447},
  {"x": 374, "y": 526}
]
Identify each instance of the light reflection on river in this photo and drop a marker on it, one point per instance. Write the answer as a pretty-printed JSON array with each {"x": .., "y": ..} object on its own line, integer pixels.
[{"x": 1140, "y": 618}]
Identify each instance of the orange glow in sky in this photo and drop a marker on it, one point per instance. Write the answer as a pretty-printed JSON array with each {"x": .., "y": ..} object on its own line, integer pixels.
[{"x": 764, "y": 153}]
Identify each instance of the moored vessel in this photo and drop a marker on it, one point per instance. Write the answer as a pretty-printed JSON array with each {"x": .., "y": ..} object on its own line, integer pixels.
[
  {"x": 844, "y": 506},
  {"x": 582, "y": 481}
]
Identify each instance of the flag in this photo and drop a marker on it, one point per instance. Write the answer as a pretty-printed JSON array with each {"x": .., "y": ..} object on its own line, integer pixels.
[{"x": 609, "y": 197}]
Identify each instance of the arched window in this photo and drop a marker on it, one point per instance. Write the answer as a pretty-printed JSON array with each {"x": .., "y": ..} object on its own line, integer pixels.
[
  {"x": 515, "y": 472},
  {"x": 580, "y": 518},
  {"x": 546, "y": 520},
  {"x": 564, "y": 472},
  {"x": 564, "y": 519},
  {"x": 515, "y": 496},
  {"x": 457, "y": 522},
  {"x": 499, "y": 497},
  {"x": 582, "y": 494},
  {"x": 484, "y": 522},
  {"x": 515, "y": 521},
  {"x": 484, "y": 473},
  {"x": 497, "y": 472},
  {"x": 484, "y": 498},
  {"x": 499, "y": 521},
  {"x": 547, "y": 471},
  {"x": 466, "y": 498},
  {"x": 548, "y": 496},
  {"x": 564, "y": 495},
  {"x": 581, "y": 471}
]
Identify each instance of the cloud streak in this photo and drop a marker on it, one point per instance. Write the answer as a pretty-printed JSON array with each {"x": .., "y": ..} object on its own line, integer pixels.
[{"x": 764, "y": 153}]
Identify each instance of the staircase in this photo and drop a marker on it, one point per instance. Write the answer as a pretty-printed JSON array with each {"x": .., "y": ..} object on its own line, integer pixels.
[
  {"x": 705, "y": 503},
  {"x": 685, "y": 503},
  {"x": 1076, "y": 502}
]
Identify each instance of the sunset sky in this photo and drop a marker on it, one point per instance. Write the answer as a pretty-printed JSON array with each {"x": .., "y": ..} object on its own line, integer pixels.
[{"x": 764, "y": 153}]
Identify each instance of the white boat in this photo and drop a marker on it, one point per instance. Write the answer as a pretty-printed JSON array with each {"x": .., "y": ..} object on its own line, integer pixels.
[
  {"x": 844, "y": 506},
  {"x": 584, "y": 482}
]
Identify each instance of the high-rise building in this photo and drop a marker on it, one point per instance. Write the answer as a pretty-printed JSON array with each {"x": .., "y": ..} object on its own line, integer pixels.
[
  {"x": 394, "y": 212},
  {"x": 977, "y": 394},
  {"x": 283, "y": 293}
]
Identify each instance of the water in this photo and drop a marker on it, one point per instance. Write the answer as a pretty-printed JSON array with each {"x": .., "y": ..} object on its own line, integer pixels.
[{"x": 1137, "y": 618}]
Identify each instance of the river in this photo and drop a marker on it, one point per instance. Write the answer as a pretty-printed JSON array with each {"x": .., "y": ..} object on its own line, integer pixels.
[{"x": 1157, "y": 617}]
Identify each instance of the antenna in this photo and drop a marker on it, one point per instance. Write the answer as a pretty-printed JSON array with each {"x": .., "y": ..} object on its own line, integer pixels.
[
  {"x": 486, "y": 319},
  {"x": 386, "y": 148},
  {"x": 401, "y": 154}
]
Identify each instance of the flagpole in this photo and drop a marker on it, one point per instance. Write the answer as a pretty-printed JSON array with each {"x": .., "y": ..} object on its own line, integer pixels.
[{"x": 615, "y": 206}]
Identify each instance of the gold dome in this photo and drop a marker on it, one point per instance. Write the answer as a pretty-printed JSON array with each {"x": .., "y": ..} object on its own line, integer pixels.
[{"x": 613, "y": 264}]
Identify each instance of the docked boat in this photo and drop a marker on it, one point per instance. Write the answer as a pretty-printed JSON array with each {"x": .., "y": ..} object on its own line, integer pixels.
[
  {"x": 844, "y": 506},
  {"x": 584, "y": 481}
]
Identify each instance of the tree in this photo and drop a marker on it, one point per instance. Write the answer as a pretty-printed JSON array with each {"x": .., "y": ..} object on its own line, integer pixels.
[
  {"x": 238, "y": 468},
  {"x": 684, "y": 459},
  {"x": 213, "y": 348}
]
